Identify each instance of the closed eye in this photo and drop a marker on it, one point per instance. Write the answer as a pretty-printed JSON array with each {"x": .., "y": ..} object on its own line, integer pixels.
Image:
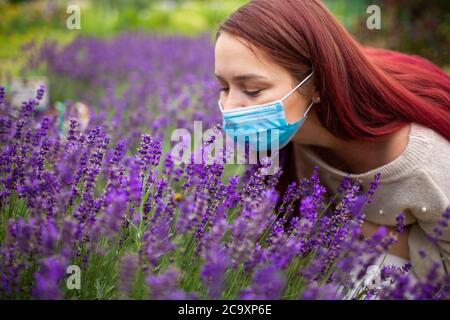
[
  {"x": 247, "y": 92},
  {"x": 253, "y": 93}
]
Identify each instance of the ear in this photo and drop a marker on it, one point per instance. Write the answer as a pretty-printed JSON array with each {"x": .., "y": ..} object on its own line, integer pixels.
[{"x": 316, "y": 96}]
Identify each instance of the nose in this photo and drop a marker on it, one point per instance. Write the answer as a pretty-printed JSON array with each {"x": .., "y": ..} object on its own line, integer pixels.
[{"x": 230, "y": 103}]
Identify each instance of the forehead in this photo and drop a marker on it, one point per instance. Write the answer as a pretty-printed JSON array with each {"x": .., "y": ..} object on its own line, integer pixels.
[{"x": 234, "y": 56}]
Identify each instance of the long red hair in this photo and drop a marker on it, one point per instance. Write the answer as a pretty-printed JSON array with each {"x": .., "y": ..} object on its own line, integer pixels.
[{"x": 365, "y": 92}]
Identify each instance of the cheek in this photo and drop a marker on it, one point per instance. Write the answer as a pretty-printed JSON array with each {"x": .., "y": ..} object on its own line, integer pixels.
[{"x": 295, "y": 108}]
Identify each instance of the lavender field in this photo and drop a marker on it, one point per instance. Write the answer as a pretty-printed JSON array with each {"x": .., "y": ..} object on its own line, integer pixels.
[{"x": 95, "y": 207}]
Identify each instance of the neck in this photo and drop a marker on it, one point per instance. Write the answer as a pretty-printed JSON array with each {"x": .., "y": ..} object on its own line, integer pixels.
[{"x": 355, "y": 156}]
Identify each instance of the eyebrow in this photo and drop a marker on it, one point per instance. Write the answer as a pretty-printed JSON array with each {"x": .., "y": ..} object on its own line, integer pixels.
[{"x": 243, "y": 77}]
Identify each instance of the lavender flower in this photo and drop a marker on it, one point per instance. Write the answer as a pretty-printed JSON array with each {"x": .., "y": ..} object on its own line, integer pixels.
[
  {"x": 47, "y": 279},
  {"x": 400, "y": 218},
  {"x": 163, "y": 286},
  {"x": 40, "y": 92},
  {"x": 267, "y": 284},
  {"x": 127, "y": 268}
]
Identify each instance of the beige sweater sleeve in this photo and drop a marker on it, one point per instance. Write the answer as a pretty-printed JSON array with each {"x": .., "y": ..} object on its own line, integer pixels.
[{"x": 433, "y": 181}]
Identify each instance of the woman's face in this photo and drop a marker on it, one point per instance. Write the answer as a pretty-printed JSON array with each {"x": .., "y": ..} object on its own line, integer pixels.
[{"x": 248, "y": 79}]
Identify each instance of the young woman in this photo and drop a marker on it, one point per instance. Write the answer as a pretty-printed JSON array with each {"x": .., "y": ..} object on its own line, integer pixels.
[{"x": 368, "y": 110}]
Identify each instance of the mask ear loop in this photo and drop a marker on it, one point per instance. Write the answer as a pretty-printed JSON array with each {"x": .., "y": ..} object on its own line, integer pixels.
[
  {"x": 220, "y": 106},
  {"x": 297, "y": 86},
  {"x": 307, "y": 110}
]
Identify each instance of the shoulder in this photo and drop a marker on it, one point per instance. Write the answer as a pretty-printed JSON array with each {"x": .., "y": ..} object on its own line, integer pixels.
[
  {"x": 438, "y": 165},
  {"x": 431, "y": 182}
]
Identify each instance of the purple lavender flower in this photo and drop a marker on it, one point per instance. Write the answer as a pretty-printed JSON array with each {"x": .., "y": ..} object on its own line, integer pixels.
[
  {"x": 325, "y": 292},
  {"x": 400, "y": 218},
  {"x": 267, "y": 284},
  {"x": 164, "y": 286},
  {"x": 231, "y": 194},
  {"x": 40, "y": 92},
  {"x": 2, "y": 94},
  {"x": 213, "y": 270},
  {"x": 250, "y": 226},
  {"x": 373, "y": 186},
  {"x": 149, "y": 152},
  {"x": 127, "y": 268},
  {"x": 48, "y": 279},
  {"x": 111, "y": 221},
  {"x": 156, "y": 241}
]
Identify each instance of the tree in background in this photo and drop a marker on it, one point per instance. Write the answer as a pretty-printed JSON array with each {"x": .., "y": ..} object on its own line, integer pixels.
[{"x": 413, "y": 26}]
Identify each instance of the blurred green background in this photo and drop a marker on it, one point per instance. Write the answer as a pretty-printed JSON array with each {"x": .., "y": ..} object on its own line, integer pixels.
[{"x": 413, "y": 26}]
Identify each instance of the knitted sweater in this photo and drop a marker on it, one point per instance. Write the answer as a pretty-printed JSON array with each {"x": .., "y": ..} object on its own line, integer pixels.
[{"x": 416, "y": 183}]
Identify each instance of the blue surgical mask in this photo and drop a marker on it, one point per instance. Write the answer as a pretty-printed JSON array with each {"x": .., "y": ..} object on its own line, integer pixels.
[{"x": 264, "y": 126}]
